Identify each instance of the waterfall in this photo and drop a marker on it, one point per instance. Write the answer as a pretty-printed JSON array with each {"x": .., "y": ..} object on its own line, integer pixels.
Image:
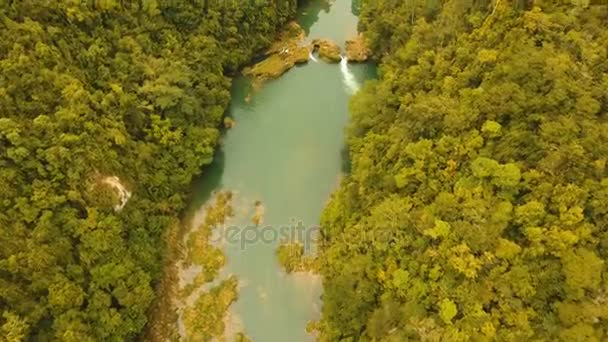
[
  {"x": 312, "y": 57},
  {"x": 349, "y": 79}
]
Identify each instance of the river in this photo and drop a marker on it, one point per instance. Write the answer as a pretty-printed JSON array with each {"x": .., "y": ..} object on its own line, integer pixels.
[{"x": 286, "y": 151}]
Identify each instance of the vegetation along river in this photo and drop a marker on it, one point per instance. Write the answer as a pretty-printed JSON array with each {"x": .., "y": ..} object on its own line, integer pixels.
[{"x": 286, "y": 152}]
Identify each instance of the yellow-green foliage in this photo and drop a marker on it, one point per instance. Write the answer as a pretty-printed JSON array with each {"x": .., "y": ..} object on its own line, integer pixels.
[
  {"x": 328, "y": 50},
  {"x": 200, "y": 251},
  {"x": 283, "y": 55},
  {"x": 208, "y": 305},
  {"x": 271, "y": 67},
  {"x": 229, "y": 122},
  {"x": 241, "y": 337},
  {"x": 357, "y": 50},
  {"x": 204, "y": 319},
  {"x": 134, "y": 89},
  {"x": 291, "y": 257},
  {"x": 477, "y": 205}
]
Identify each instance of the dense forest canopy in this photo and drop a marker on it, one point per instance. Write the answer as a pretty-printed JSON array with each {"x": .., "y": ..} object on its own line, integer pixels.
[
  {"x": 477, "y": 207},
  {"x": 130, "y": 91}
]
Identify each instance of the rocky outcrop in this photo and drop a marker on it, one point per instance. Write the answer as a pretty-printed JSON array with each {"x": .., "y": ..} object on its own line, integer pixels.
[
  {"x": 292, "y": 35},
  {"x": 229, "y": 122},
  {"x": 328, "y": 50},
  {"x": 288, "y": 51},
  {"x": 258, "y": 217},
  {"x": 277, "y": 64},
  {"x": 121, "y": 191},
  {"x": 357, "y": 50}
]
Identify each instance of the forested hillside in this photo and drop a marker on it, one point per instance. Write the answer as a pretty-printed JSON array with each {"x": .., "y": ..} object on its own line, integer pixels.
[
  {"x": 95, "y": 92},
  {"x": 477, "y": 207}
]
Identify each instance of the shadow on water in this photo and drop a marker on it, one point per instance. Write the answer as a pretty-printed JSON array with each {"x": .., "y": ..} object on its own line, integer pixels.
[
  {"x": 209, "y": 180},
  {"x": 241, "y": 86},
  {"x": 355, "y": 7},
  {"x": 309, "y": 14},
  {"x": 365, "y": 72}
]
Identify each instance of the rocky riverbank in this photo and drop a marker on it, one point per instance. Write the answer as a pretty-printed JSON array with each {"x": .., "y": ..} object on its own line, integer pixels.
[
  {"x": 357, "y": 50},
  {"x": 288, "y": 51}
]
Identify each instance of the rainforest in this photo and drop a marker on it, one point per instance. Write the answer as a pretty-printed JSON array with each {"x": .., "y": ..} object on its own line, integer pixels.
[{"x": 450, "y": 154}]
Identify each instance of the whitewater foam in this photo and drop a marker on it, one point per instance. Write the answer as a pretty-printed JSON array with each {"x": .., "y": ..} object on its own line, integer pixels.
[
  {"x": 347, "y": 76},
  {"x": 312, "y": 57}
]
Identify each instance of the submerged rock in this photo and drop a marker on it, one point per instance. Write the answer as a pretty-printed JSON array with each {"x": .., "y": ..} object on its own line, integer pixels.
[
  {"x": 262, "y": 294},
  {"x": 229, "y": 122},
  {"x": 258, "y": 217},
  {"x": 241, "y": 337},
  {"x": 328, "y": 50},
  {"x": 357, "y": 50}
]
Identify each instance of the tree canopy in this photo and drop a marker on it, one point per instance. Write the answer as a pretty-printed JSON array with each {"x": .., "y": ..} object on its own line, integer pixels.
[
  {"x": 95, "y": 89},
  {"x": 477, "y": 205}
]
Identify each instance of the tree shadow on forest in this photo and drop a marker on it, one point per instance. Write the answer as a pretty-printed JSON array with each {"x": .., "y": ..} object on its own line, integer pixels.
[{"x": 346, "y": 164}]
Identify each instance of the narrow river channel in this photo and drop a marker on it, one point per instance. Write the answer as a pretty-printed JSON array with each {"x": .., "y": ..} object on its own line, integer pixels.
[{"x": 286, "y": 151}]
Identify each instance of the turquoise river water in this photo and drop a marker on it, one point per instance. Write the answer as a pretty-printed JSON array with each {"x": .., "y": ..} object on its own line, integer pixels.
[{"x": 285, "y": 151}]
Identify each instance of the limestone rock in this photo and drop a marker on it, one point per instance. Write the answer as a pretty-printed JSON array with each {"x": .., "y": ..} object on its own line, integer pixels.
[
  {"x": 229, "y": 122},
  {"x": 328, "y": 50},
  {"x": 357, "y": 50},
  {"x": 288, "y": 51}
]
